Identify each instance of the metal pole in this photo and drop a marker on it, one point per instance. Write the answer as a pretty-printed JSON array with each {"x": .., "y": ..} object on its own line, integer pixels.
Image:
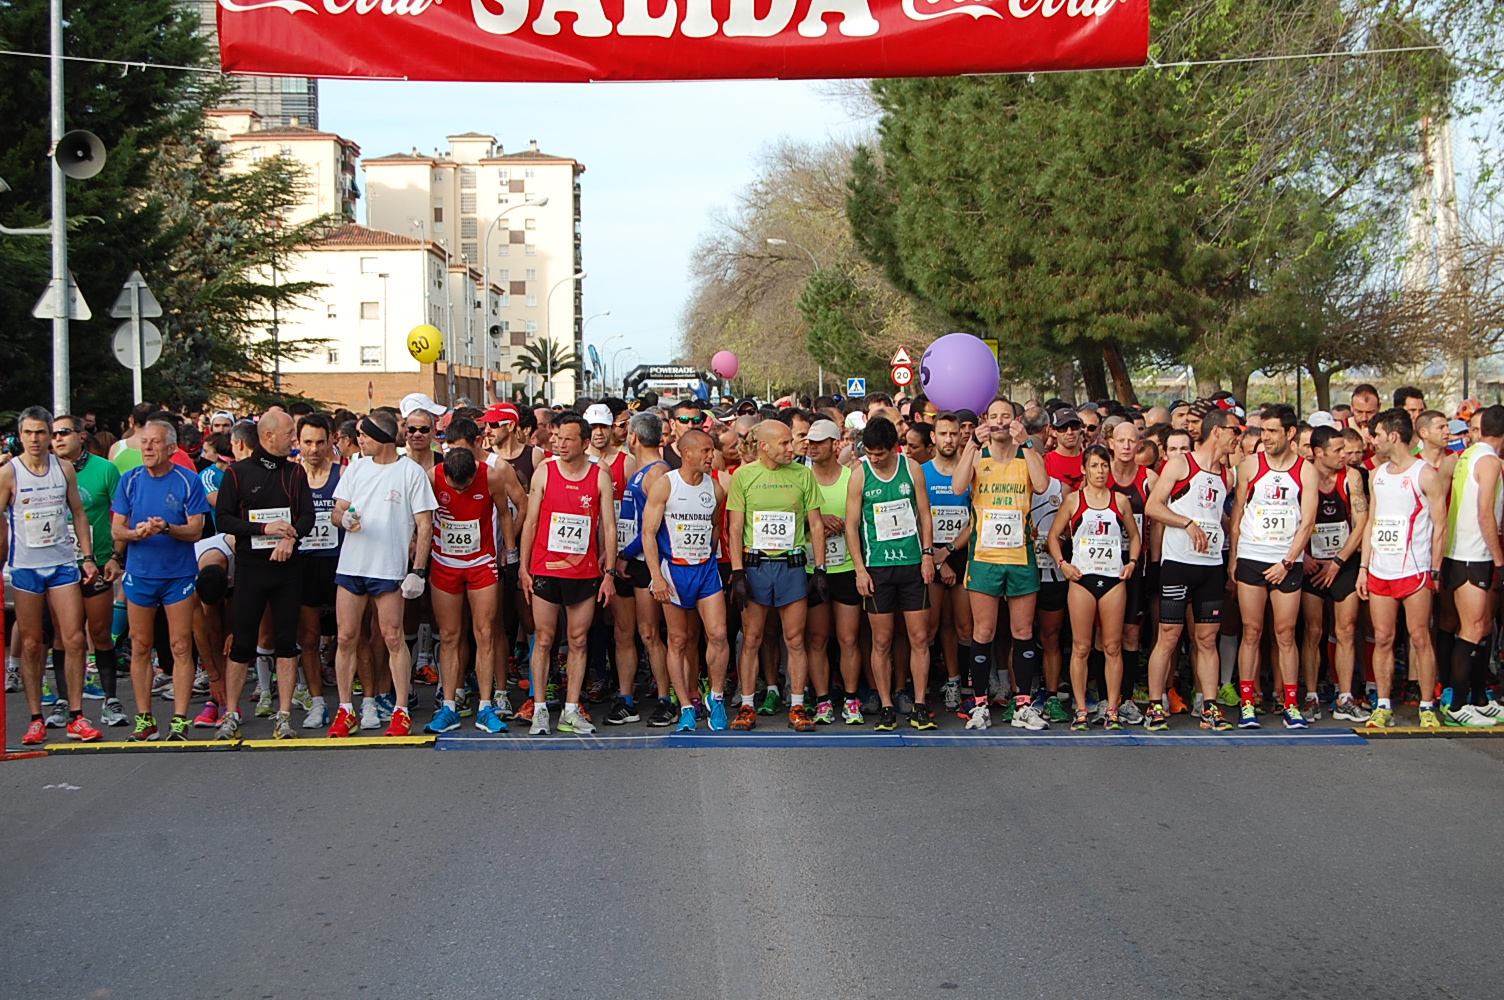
[
  {"x": 139, "y": 367},
  {"x": 61, "y": 390}
]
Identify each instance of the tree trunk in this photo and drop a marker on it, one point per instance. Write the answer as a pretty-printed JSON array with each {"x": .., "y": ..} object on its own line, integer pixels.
[
  {"x": 1323, "y": 382},
  {"x": 1094, "y": 377},
  {"x": 1240, "y": 388},
  {"x": 1065, "y": 380},
  {"x": 1206, "y": 382},
  {"x": 1121, "y": 382}
]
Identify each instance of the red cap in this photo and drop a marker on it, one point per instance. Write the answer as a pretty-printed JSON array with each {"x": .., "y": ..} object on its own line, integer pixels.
[{"x": 501, "y": 413}]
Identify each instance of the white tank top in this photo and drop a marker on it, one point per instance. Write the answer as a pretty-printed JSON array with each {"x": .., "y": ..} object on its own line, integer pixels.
[
  {"x": 1200, "y": 496},
  {"x": 1096, "y": 539},
  {"x": 1464, "y": 534},
  {"x": 41, "y": 535},
  {"x": 1401, "y": 529},
  {"x": 1271, "y": 513},
  {"x": 1045, "y": 506},
  {"x": 687, "y": 537}
]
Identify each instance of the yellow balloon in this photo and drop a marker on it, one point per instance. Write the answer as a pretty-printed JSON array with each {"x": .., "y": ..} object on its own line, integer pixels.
[{"x": 424, "y": 343}]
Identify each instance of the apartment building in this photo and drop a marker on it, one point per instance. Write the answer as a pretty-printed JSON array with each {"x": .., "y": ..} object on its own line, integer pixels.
[
  {"x": 278, "y": 100},
  {"x": 329, "y": 161}
]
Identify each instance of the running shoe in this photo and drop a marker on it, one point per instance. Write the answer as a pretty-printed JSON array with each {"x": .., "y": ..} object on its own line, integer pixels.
[
  {"x": 1248, "y": 717},
  {"x": 1227, "y": 695},
  {"x": 113, "y": 713},
  {"x": 264, "y": 706},
  {"x": 621, "y": 712},
  {"x": 1054, "y": 709},
  {"x": 825, "y": 713},
  {"x": 598, "y": 691},
  {"x": 503, "y": 704},
  {"x": 12, "y": 679},
  {"x": 209, "y": 717},
  {"x": 1294, "y": 719},
  {"x": 904, "y": 702},
  {"x": 922, "y": 718},
  {"x": 1026, "y": 716},
  {"x": 1196, "y": 704},
  {"x": 687, "y": 720},
  {"x": 525, "y": 713},
  {"x": 317, "y": 717},
  {"x": 1312, "y": 709},
  {"x": 385, "y": 703},
  {"x": 1080, "y": 723},
  {"x": 851, "y": 713},
  {"x": 540, "y": 720},
  {"x": 1213, "y": 719},
  {"x": 49, "y": 696},
  {"x": 715, "y": 713},
  {"x": 488, "y": 720},
  {"x": 887, "y": 719},
  {"x": 229, "y": 727},
  {"x": 282, "y": 727},
  {"x": 575, "y": 722},
  {"x": 201, "y": 682},
  {"x": 36, "y": 734},
  {"x": 344, "y": 724},
  {"x": 1099, "y": 711},
  {"x": 370, "y": 718},
  {"x": 1467, "y": 716},
  {"x": 772, "y": 704},
  {"x": 1130, "y": 714},
  {"x": 1493, "y": 709},
  {"x": 1141, "y": 693},
  {"x": 800, "y": 719},
  {"x": 1177, "y": 703},
  {"x": 80, "y": 729},
  {"x": 1381, "y": 718},
  {"x": 1351, "y": 710},
  {"x": 402, "y": 723},
  {"x": 445, "y": 720},
  {"x": 93, "y": 692},
  {"x": 464, "y": 702},
  {"x": 59, "y": 717},
  {"x": 1157, "y": 719},
  {"x": 161, "y": 684},
  {"x": 301, "y": 697},
  {"x": 981, "y": 715},
  {"x": 551, "y": 696},
  {"x": 426, "y": 675},
  {"x": 950, "y": 694},
  {"x": 146, "y": 729},
  {"x": 1114, "y": 720},
  {"x": 177, "y": 729},
  {"x": 663, "y": 714},
  {"x": 871, "y": 704},
  {"x": 746, "y": 718}
]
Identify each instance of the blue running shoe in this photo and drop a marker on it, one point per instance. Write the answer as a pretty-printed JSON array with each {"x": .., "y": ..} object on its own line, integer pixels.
[
  {"x": 718, "y": 720},
  {"x": 445, "y": 720},
  {"x": 93, "y": 692},
  {"x": 1248, "y": 717},
  {"x": 687, "y": 720},
  {"x": 385, "y": 704},
  {"x": 49, "y": 696},
  {"x": 488, "y": 720}
]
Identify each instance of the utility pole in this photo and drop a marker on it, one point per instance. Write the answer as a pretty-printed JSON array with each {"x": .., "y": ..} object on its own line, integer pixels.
[{"x": 62, "y": 390}]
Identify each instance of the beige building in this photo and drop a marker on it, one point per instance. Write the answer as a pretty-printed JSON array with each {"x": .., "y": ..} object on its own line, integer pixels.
[
  {"x": 514, "y": 218},
  {"x": 329, "y": 161}
]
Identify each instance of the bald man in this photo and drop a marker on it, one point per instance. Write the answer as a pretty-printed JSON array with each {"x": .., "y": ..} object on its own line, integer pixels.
[{"x": 265, "y": 505}]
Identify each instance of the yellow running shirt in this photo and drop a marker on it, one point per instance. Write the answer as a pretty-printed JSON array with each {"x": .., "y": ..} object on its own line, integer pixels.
[{"x": 1000, "y": 502}]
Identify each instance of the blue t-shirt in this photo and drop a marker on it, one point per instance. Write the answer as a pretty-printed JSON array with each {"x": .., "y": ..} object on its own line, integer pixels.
[
  {"x": 174, "y": 497},
  {"x": 950, "y": 512},
  {"x": 634, "y": 500}
]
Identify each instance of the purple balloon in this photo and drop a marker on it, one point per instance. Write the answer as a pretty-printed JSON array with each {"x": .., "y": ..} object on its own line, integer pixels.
[{"x": 959, "y": 372}]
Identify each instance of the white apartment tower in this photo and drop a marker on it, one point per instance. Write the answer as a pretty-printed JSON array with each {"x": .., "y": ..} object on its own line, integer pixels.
[{"x": 486, "y": 209}]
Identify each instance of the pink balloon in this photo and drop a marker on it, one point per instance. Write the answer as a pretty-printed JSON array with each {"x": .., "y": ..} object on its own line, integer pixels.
[{"x": 724, "y": 364}]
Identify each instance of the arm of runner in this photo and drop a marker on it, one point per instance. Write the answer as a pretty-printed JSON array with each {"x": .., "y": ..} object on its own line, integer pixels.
[
  {"x": 1135, "y": 543},
  {"x": 1239, "y": 501},
  {"x": 607, "y": 522},
  {"x": 530, "y": 531},
  {"x": 966, "y": 464},
  {"x": 1310, "y": 497},
  {"x": 1436, "y": 491},
  {"x": 926, "y": 527},
  {"x": 1358, "y": 502},
  {"x": 81, "y": 526},
  {"x": 853, "y": 530},
  {"x": 1057, "y": 530},
  {"x": 496, "y": 479},
  {"x": 1039, "y": 476},
  {"x": 1487, "y": 474},
  {"x": 1362, "y": 583},
  {"x": 652, "y": 519}
]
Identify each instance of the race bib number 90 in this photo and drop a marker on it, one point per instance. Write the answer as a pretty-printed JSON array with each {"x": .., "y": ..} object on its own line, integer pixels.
[{"x": 1002, "y": 529}]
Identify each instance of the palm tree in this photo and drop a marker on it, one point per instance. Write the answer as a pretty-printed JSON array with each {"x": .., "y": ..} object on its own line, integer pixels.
[{"x": 542, "y": 356}]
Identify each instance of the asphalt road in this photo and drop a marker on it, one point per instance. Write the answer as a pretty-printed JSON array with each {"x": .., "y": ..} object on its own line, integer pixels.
[{"x": 1271, "y": 871}]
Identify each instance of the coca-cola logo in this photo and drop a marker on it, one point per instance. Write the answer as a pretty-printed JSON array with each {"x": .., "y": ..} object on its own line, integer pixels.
[{"x": 929, "y": 10}]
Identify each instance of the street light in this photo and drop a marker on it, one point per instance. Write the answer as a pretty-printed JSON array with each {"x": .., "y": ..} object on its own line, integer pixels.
[
  {"x": 605, "y": 369},
  {"x": 619, "y": 352},
  {"x": 776, "y": 242},
  {"x": 548, "y": 336},
  {"x": 583, "y": 328},
  {"x": 485, "y": 273}
]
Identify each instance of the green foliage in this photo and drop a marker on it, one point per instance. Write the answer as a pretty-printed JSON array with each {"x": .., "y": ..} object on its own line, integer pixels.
[
  {"x": 841, "y": 320},
  {"x": 542, "y": 356}
]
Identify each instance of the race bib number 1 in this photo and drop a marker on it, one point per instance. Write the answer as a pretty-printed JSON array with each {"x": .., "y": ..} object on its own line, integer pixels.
[{"x": 894, "y": 520}]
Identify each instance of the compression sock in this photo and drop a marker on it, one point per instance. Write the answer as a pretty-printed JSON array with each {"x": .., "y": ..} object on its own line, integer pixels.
[
  {"x": 1292, "y": 696},
  {"x": 963, "y": 659},
  {"x": 1132, "y": 665},
  {"x": 981, "y": 668},
  {"x": 59, "y": 675},
  {"x": 108, "y": 664},
  {"x": 263, "y": 669},
  {"x": 1025, "y": 664},
  {"x": 1478, "y": 675},
  {"x": 119, "y": 621},
  {"x": 1446, "y": 644},
  {"x": 1247, "y": 692},
  {"x": 1461, "y": 663}
]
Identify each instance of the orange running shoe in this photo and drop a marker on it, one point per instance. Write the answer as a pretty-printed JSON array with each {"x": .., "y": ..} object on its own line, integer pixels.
[
  {"x": 1177, "y": 703},
  {"x": 800, "y": 719},
  {"x": 426, "y": 675},
  {"x": 345, "y": 723},
  {"x": 746, "y": 718},
  {"x": 525, "y": 713},
  {"x": 402, "y": 723}
]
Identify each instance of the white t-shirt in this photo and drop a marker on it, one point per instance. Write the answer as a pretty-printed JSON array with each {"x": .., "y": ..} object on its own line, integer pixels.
[{"x": 386, "y": 497}]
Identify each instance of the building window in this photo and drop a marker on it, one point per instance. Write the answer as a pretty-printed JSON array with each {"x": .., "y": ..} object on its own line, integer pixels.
[
  {"x": 532, "y": 301},
  {"x": 532, "y": 274},
  {"x": 503, "y": 275},
  {"x": 528, "y": 172},
  {"x": 471, "y": 251},
  {"x": 370, "y": 356},
  {"x": 258, "y": 154},
  {"x": 370, "y": 310},
  {"x": 294, "y": 85},
  {"x": 505, "y": 300},
  {"x": 370, "y": 265},
  {"x": 467, "y": 203},
  {"x": 469, "y": 227},
  {"x": 530, "y": 250},
  {"x": 503, "y": 174},
  {"x": 531, "y": 224},
  {"x": 532, "y": 326},
  {"x": 332, "y": 355},
  {"x": 467, "y": 178},
  {"x": 519, "y": 339},
  {"x": 333, "y": 311},
  {"x": 286, "y": 151}
]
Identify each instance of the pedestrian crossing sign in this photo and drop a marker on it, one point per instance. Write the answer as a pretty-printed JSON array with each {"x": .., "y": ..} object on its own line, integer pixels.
[{"x": 856, "y": 387}]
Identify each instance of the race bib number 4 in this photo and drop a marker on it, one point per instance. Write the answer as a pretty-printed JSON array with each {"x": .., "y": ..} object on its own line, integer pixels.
[
  {"x": 569, "y": 534},
  {"x": 1002, "y": 529},
  {"x": 894, "y": 520},
  {"x": 322, "y": 536},
  {"x": 44, "y": 527},
  {"x": 459, "y": 538},
  {"x": 267, "y": 516},
  {"x": 1327, "y": 540},
  {"x": 1389, "y": 535},
  {"x": 773, "y": 530},
  {"x": 946, "y": 523}
]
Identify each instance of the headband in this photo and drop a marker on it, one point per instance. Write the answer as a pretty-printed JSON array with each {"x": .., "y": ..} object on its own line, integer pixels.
[{"x": 372, "y": 430}]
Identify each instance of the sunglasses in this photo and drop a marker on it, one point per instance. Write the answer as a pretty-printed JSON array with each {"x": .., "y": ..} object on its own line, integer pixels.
[
  {"x": 419, "y": 430},
  {"x": 62, "y": 434},
  {"x": 688, "y": 420}
]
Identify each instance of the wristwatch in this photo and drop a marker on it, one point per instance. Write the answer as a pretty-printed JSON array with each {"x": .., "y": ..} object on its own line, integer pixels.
[{"x": 927, "y": 552}]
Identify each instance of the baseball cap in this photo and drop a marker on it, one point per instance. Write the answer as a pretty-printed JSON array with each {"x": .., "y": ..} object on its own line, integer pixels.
[
  {"x": 824, "y": 430},
  {"x": 415, "y": 401},
  {"x": 1065, "y": 416},
  {"x": 967, "y": 417},
  {"x": 1321, "y": 418},
  {"x": 856, "y": 420},
  {"x": 1457, "y": 426},
  {"x": 226, "y": 414},
  {"x": 746, "y": 405},
  {"x": 500, "y": 413},
  {"x": 599, "y": 414}
]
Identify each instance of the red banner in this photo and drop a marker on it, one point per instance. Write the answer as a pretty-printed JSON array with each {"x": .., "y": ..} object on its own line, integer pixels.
[{"x": 582, "y": 40}]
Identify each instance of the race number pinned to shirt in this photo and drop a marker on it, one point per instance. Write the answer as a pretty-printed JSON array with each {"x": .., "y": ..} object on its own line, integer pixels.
[
  {"x": 1327, "y": 540},
  {"x": 459, "y": 538},
  {"x": 626, "y": 531},
  {"x": 267, "y": 516},
  {"x": 947, "y": 523},
  {"x": 1275, "y": 523},
  {"x": 773, "y": 530},
  {"x": 1002, "y": 529},
  {"x": 894, "y": 520},
  {"x": 569, "y": 534},
  {"x": 1213, "y": 531},
  {"x": 322, "y": 536},
  {"x": 835, "y": 548},
  {"x": 1389, "y": 535},
  {"x": 689, "y": 541},
  {"x": 1100, "y": 557},
  {"x": 44, "y": 527}
]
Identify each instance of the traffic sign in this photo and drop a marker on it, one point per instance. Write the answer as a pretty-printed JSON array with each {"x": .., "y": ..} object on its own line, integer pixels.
[
  {"x": 135, "y": 287},
  {"x": 856, "y": 387},
  {"x": 901, "y": 357},
  {"x": 49, "y": 306},
  {"x": 125, "y": 343},
  {"x": 902, "y": 375}
]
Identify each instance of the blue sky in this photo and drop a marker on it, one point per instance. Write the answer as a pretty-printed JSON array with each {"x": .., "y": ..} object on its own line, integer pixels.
[{"x": 660, "y": 158}]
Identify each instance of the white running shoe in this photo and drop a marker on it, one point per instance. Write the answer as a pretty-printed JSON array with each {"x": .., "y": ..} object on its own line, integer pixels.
[
  {"x": 12, "y": 678},
  {"x": 318, "y": 715},
  {"x": 1468, "y": 716},
  {"x": 301, "y": 697},
  {"x": 540, "y": 720},
  {"x": 981, "y": 717},
  {"x": 1130, "y": 714},
  {"x": 1351, "y": 710},
  {"x": 503, "y": 704},
  {"x": 59, "y": 717},
  {"x": 113, "y": 713},
  {"x": 1493, "y": 710},
  {"x": 1028, "y": 717},
  {"x": 200, "y": 682},
  {"x": 369, "y": 717},
  {"x": 575, "y": 722}
]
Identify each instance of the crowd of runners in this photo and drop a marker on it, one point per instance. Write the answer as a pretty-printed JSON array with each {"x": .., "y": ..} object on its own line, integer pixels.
[{"x": 864, "y": 562}]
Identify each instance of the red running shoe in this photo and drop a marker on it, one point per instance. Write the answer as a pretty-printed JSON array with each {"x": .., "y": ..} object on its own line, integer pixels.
[
  {"x": 525, "y": 713},
  {"x": 402, "y": 723},
  {"x": 209, "y": 718},
  {"x": 36, "y": 734},
  {"x": 344, "y": 724},
  {"x": 80, "y": 729}
]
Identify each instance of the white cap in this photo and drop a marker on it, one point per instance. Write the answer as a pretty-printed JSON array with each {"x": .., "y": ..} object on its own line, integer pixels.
[
  {"x": 598, "y": 414},
  {"x": 1321, "y": 418},
  {"x": 415, "y": 401}
]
